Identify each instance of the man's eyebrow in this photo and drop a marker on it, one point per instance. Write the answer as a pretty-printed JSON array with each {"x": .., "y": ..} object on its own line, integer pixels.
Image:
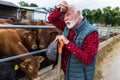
[{"x": 70, "y": 11}]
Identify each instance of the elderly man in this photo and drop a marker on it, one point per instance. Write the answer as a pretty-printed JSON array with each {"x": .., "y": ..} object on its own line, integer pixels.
[{"x": 81, "y": 42}]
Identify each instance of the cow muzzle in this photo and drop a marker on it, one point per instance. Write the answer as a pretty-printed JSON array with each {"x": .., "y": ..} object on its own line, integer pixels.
[
  {"x": 36, "y": 78},
  {"x": 42, "y": 46},
  {"x": 34, "y": 47}
]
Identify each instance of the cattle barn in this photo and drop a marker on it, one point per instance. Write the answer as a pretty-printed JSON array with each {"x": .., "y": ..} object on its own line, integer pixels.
[
  {"x": 33, "y": 13},
  {"x": 8, "y": 10}
]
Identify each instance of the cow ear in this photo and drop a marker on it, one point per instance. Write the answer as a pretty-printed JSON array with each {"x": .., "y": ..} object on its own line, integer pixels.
[
  {"x": 35, "y": 30},
  {"x": 40, "y": 59},
  {"x": 24, "y": 63},
  {"x": 54, "y": 33}
]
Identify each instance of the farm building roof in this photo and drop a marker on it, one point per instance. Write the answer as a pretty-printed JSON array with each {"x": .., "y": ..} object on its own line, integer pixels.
[
  {"x": 34, "y": 9},
  {"x": 6, "y": 3}
]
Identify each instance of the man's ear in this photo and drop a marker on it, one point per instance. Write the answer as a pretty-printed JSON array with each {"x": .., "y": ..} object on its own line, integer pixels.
[{"x": 79, "y": 13}]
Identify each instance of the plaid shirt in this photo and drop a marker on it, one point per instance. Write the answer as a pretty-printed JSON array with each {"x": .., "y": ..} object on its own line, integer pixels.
[{"x": 89, "y": 48}]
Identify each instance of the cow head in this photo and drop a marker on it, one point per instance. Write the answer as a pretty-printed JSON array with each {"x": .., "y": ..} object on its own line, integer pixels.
[
  {"x": 41, "y": 22},
  {"x": 45, "y": 36},
  {"x": 29, "y": 39},
  {"x": 31, "y": 66}
]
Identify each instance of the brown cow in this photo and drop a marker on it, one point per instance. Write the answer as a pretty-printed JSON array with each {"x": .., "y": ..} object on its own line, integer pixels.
[
  {"x": 40, "y": 22},
  {"x": 28, "y": 38},
  {"x": 2, "y": 21},
  {"x": 45, "y": 36},
  {"x": 31, "y": 66},
  {"x": 25, "y": 22},
  {"x": 11, "y": 43}
]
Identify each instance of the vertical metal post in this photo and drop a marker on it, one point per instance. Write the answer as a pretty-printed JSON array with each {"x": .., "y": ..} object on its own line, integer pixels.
[{"x": 108, "y": 32}]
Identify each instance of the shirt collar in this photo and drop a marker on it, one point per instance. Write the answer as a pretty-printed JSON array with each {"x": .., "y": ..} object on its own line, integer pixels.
[{"x": 81, "y": 26}]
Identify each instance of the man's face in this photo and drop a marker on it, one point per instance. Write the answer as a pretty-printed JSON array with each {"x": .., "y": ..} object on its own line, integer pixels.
[{"x": 71, "y": 18}]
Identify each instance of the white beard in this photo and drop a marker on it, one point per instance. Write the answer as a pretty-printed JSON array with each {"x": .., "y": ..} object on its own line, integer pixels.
[{"x": 71, "y": 24}]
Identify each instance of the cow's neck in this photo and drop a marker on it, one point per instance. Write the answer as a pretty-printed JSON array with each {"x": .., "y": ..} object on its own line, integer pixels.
[{"x": 20, "y": 33}]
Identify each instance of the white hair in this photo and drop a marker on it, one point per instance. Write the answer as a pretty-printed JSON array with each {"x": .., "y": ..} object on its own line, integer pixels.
[{"x": 76, "y": 8}]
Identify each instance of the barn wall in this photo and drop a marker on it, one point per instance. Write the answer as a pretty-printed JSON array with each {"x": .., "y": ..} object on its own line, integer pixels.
[
  {"x": 9, "y": 12},
  {"x": 29, "y": 15},
  {"x": 38, "y": 16}
]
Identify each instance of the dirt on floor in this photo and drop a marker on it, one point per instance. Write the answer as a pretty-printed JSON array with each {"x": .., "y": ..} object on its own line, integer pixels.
[{"x": 105, "y": 59}]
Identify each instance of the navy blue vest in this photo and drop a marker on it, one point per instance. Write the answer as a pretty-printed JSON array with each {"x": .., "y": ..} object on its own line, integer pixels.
[{"x": 77, "y": 70}]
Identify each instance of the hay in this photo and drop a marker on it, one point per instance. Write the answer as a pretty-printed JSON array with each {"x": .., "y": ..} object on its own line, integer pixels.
[{"x": 102, "y": 54}]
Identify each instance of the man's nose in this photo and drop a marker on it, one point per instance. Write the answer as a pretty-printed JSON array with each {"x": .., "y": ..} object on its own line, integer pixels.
[{"x": 65, "y": 18}]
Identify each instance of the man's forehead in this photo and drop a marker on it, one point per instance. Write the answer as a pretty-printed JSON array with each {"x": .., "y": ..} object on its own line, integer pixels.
[{"x": 70, "y": 9}]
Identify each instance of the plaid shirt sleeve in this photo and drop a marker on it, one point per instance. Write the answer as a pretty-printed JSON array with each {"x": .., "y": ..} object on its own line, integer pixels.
[
  {"x": 88, "y": 51},
  {"x": 55, "y": 19}
]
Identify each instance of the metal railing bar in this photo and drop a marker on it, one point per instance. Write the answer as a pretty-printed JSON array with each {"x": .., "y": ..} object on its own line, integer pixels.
[
  {"x": 25, "y": 26},
  {"x": 22, "y": 55}
]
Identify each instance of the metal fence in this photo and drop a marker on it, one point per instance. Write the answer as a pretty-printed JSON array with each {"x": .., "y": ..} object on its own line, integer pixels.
[
  {"x": 26, "y": 27},
  {"x": 103, "y": 31},
  {"x": 22, "y": 55},
  {"x": 108, "y": 31}
]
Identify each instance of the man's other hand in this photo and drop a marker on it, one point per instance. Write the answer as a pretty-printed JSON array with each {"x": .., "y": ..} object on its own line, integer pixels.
[{"x": 63, "y": 6}]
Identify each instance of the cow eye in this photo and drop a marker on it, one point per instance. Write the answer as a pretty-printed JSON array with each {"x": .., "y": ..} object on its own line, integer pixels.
[
  {"x": 29, "y": 37},
  {"x": 24, "y": 36},
  {"x": 34, "y": 32},
  {"x": 53, "y": 33}
]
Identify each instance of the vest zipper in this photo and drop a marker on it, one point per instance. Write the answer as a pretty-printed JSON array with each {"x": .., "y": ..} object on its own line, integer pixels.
[{"x": 70, "y": 58}]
